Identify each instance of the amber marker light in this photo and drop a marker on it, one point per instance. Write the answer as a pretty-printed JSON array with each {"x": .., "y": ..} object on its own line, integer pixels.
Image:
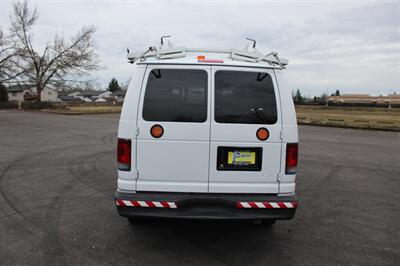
[
  {"x": 262, "y": 133},
  {"x": 157, "y": 131}
]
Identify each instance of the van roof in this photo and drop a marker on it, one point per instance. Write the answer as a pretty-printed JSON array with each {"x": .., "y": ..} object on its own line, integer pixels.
[{"x": 234, "y": 57}]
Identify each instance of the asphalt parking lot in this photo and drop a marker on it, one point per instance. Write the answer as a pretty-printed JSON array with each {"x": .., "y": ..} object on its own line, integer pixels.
[{"x": 57, "y": 181}]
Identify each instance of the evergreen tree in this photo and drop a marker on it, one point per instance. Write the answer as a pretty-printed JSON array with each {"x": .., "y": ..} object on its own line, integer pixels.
[
  {"x": 298, "y": 97},
  {"x": 324, "y": 98},
  {"x": 3, "y": 93},
  {"x": 337, "y": 93},
  {"x": 113, "y": 86}
]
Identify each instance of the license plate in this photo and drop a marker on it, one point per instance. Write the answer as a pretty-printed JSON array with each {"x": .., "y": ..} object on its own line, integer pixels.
[
  {"x": 242, "y": 157},
  {"x": 239, "y": 158}
]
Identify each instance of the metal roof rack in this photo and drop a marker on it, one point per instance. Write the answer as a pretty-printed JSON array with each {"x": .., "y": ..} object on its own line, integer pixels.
[{"x": 247, "y": 54}]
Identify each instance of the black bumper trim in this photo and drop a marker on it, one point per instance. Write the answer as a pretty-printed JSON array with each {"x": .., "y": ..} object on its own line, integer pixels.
[{"x": 205, "y": 206}]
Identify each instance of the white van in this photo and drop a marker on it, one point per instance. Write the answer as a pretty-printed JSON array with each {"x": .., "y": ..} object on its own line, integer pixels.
[{"x": 207, "y": 134}]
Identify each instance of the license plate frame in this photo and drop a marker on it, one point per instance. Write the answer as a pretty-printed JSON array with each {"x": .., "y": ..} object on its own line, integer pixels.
[{"x": 225, "y": 161}]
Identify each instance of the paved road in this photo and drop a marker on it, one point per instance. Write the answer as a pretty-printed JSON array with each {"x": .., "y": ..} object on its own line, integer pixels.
[{"x": 56, "y": 202}]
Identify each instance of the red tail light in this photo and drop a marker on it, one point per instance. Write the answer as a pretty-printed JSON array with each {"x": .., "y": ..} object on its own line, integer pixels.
[
  {"x": 124, "y": 154},
  {"x": 292, "y": 150}
]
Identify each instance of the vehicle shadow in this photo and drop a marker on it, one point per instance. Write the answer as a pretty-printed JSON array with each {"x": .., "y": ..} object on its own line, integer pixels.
[{"x": 212, "y": 242}]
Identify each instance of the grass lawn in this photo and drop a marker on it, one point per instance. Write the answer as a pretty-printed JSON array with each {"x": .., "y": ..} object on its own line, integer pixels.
[
  {"x": 354, "y": 117},
  {"x": 103, "y": 109}
]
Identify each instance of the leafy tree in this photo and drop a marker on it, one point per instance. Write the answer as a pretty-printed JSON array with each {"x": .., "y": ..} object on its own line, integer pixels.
[
  {"x": 337, "y": 93},
  {"x": 61, "y": 59},
  {"x": 113, "y": 86},
  {"x": 3, "y": 93}
]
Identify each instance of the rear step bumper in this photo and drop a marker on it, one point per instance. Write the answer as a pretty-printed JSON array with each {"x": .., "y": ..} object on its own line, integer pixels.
[{"x": 205, "y": 206}]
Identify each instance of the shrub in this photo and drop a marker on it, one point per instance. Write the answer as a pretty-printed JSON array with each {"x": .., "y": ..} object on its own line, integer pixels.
[
  {"x": 8, "y": 105},
  {"x": 3, "y": 93},
  {"x": 36, "y": 105}
]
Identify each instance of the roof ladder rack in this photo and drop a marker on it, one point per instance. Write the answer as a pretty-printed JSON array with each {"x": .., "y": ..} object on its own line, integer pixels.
[
  {"x": 170, "y": 52},
  {"x": 162, "y": 53}
]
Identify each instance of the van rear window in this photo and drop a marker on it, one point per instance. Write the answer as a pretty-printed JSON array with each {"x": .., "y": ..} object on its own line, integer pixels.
[
  {"x": 176, "y": 95},
  {"x": 244, "y": 97}
]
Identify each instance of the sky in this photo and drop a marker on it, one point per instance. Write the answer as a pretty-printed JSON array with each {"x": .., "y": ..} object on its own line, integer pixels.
[{"x": 353, "y": 46}]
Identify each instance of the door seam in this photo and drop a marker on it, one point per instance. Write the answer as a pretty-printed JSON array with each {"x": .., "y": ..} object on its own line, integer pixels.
[
  {"x": 281, "y": 132},
  {"x": 209, "y": 133},
  {"x": 137, "y": 126}
]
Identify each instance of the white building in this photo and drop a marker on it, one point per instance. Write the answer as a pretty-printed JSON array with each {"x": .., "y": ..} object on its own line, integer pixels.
[
  {"x": 119, "y": 95},
  {"x": 100, "y": 100},
  {"x": 22, "y": 93},
  {"x": 92, "y": 95},
  {"x": 86, "y": 100},
  {"x": 49, "y": 95},
  {"x": 105, "y": 94},
  {"x": 76, "y": 94},
  {"x": 16, "y": 92}
]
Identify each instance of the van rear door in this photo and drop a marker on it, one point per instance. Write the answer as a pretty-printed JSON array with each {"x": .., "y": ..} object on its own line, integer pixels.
[
  {"x": 176, "y": 103},
  {"x": 245, "y": 100}
]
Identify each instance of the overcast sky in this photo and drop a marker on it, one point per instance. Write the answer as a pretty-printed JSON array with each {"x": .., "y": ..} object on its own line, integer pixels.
[{"x": 353, "y": 46}]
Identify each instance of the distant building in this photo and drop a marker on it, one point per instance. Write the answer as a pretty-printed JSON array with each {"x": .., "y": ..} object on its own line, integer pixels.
[
  {"x": 105, "y": 94},
  {"x": 26, "y": 92},
  {"x": 16, "y": 92},
  {"x": 23, "y": 92},
  {"x": 91, "y": 95},
  {"x": 100, "y": 100},
  {"x": 49, "y": 95},
  {"x": 67, "y": 98},
  {"x": 87, "y": 100},
  {"x": 119, "y": 95},
  {"x": 74, "y": 93},
  {"x": 63, "y": 93},
  {"x": 365, "y": 99}
]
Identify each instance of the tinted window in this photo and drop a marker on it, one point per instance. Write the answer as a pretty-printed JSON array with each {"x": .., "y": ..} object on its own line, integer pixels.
[
  {"x": 176, "y": 95},
  {"x": 244, "y": 97}
]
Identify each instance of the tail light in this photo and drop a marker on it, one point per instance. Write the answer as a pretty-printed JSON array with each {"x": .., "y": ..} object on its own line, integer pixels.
[
  {"x": 292, "y": 150},
  {"x": 124, "y": 154}
]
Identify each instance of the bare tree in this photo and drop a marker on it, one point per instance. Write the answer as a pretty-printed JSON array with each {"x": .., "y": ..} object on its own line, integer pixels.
[
  {"x": 60, "y": 59},
  {"x": 10, "y": 67}
]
